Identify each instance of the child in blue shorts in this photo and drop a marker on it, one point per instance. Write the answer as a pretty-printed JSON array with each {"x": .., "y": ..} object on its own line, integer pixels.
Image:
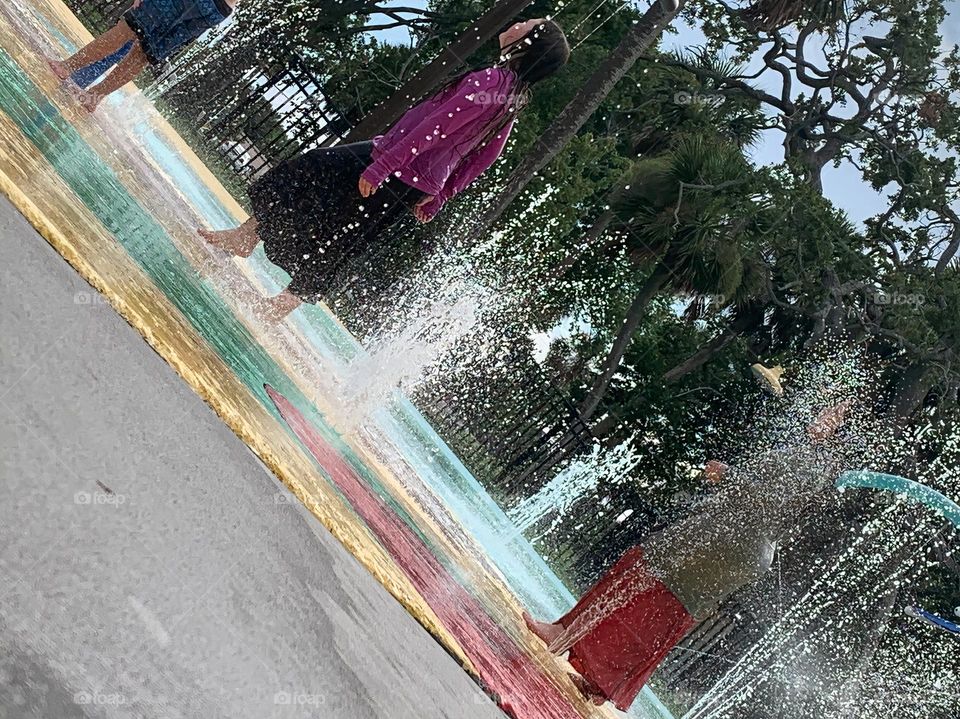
[{"x": 154, "y": 30}]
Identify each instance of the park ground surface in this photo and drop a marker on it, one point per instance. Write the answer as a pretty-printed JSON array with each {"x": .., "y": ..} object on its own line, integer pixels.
[{"x": 190, "y": 588}]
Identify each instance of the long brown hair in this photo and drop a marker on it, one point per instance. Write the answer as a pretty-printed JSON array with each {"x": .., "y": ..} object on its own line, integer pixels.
[{"x": 534, "y": 57}]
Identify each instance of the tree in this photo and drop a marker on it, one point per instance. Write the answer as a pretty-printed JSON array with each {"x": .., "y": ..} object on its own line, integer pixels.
[
  {"x": 685, "y": 211},
  {"x": 882, "y": 106}
]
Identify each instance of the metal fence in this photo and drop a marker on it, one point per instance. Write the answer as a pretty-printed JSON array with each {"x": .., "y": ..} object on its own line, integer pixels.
[
  {"x": 269, "y": 113},
  {"x": 704, "y": 654},
  {"x": 511, "y": 431},
  {"x": 98, "y": 15}
]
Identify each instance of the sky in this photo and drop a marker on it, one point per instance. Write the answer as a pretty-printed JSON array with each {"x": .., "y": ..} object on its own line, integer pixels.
[{"x": 843, "y": 185}]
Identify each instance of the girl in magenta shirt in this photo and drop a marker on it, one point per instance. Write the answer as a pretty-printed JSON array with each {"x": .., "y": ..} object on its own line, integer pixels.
[{"x": 323, "y": 208}]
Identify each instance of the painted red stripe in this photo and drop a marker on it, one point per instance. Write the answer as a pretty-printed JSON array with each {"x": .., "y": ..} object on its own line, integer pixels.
[{"x": 507, "y": 671}]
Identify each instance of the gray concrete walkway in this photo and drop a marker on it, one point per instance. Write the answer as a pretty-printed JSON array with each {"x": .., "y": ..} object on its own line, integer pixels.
[{"x": 146, "y": 566}]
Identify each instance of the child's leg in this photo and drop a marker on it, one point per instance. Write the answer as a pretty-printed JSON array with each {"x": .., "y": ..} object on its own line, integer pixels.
[
  {"x": 275, "y": 309},
  {"x": 547, "y": 633},
  {"x": 99, "y": 48},
  {"x": 86, "y": 76},
  {"x": 128, "y": 68},
  {"x": 241, "y": 241}
]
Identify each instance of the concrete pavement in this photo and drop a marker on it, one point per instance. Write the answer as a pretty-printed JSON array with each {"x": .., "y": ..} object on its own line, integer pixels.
[{"x": 149, "y": 565}]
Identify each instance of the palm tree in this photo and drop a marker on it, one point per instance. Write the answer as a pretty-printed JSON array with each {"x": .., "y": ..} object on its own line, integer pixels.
[
  {"x": 679, "y": 215},
  {"x": 735, "y": 118}
]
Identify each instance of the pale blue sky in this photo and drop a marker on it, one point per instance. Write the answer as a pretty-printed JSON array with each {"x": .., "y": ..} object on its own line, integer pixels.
[{"x": 843, "y": 185}]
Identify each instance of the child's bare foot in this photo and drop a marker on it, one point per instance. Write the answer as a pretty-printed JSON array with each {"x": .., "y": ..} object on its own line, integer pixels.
[
  {"x": 275, "y": 309},
  {"x": 546, "y": 632},
  {"x": 589, "y": 692},
  {"x": 212, "y": 237},
  {"x": 58, "y": 68},
  {"x": 89, "y": 100},
  {"x": 226, "y": 240},
  {"x": 236, "y": 241}
]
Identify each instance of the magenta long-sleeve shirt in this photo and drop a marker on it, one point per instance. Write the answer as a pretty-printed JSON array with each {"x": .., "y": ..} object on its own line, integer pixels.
[{"x": 436, "y": 146}]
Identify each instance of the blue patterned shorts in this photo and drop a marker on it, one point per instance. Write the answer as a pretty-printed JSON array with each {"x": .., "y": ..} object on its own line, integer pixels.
[{"x": 164, "y": 26}]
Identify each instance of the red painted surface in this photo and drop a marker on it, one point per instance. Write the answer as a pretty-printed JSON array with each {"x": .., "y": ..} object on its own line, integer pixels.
[{"x": 522, "y": 690}]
